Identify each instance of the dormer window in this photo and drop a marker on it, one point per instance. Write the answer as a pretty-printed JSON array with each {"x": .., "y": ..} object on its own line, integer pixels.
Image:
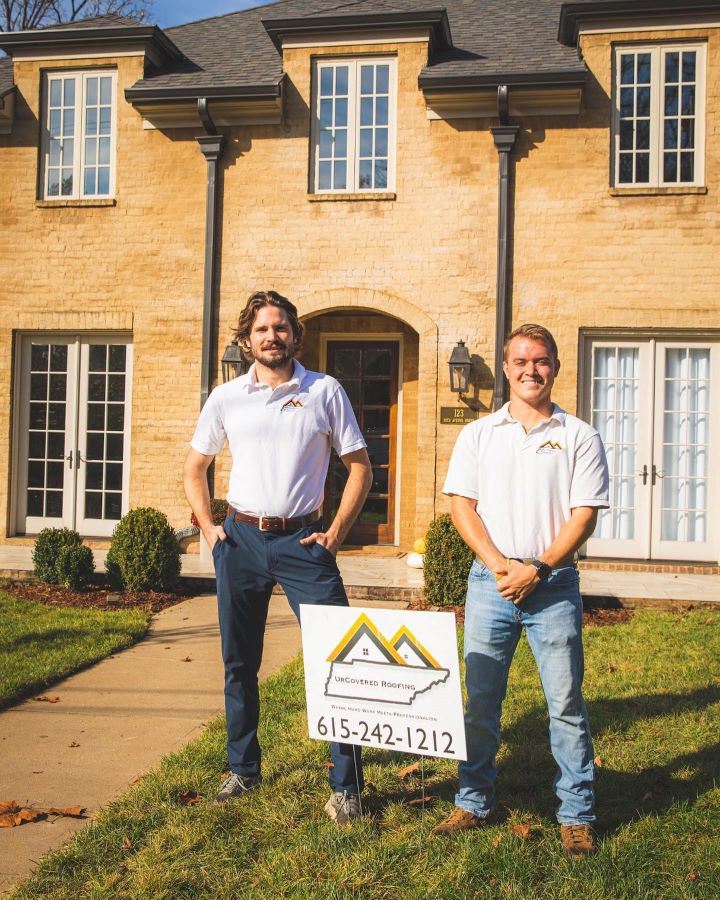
[
  {"x": 353, "y": 134},
  {"x": 78, "y": 147}
]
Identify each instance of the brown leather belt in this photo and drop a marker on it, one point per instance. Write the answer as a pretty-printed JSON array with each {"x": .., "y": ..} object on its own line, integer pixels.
[{"x": 274, "y": 524}]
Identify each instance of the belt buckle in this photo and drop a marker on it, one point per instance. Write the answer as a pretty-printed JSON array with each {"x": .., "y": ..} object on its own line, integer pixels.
[{"x": 261, "y": 526}]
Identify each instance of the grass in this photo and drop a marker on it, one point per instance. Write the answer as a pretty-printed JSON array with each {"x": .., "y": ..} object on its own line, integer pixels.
[
  {"x": 653, "y": 692},
  {"x": 40, "y": 644}
]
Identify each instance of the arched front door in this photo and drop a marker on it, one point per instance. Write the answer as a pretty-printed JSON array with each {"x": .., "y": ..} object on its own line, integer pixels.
[{"x": 368, "y": 370}]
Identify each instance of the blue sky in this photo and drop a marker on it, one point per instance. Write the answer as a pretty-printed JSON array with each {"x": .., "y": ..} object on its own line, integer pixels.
[{"x": 176, "y": 12}]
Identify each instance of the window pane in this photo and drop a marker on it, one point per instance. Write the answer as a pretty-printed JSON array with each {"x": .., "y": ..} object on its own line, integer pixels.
[
  {"x": 341, "y": 143},
  {"x": 55, "y": 124},
  {"x": 379, "y": 451},
  {"x": 377, "y": 362},
  {"x": 91, "y": 121},
  {"x": 36, "y": 445},
  {"x": 90, "y": 151},
  {"x": 642, "y": 168},
  {"x": 626, "y": 167},
  {"x": 347, "y": 362},
  {"x": 94, "y": 476},
  {"x": 117, "y": 357},
  {"x": 98, "y": 357},
  {"x": 366, "y": 79},
  {"x": 113, "y": 477},
  {"x": 66, "y": 184},
  {"x": 89, "y": 186},
  {"x": 55, "y": 445},
  {"x": 91, "y": 91},
  {"x": 326, "y": 110},
  {"x": 627, "y": 102},
  {"x": 326, "y": 82},
  {"x": 58, "y": 387},
  {"x": 68, "y": 151},
  {"x": 69, "y": 91},
  {"x": 380, "y": 481},
  {"x": 95, "y": 416},
  {"x": 381, "y": 142},
  {"x": 114, "y": 448},
  {"x": 69, "y": 123},
  {"x": 93, "y": 505},
  {"x": 116, "y": 388},
  {"x": 39, "y": 355},
  {"x": 341, "y": 81},
  {"x": 105, "y": 120},
  {"x": 380, "y": 174},
  {"x": 115, "y": 417},
  {"x": 103, "y": 187},
  {"x": 627, "y": 68},
  {"x": 341, "y": 113},
  {"x": 643, "y": 101},
  {"x": 325, "y": 176},
  {"x": 671, "y": 134},
  {"x": 38, "y": 415},
  {"x": 376, "y": 393},
  {"x": 374, "y": 512},
  {"x": 113, "y": 506},
  {"x": 366, "y": 142},
  {"x": 340, "y": 175},
  {"x": 687, "y": 134},
  {"x": 382, "y": 79},
  {"x": 56, "y": 416},
  {"x": 642, "y": 135},
  {"x": 38, "y": 387},
  {"x": 35, "y": 503},
  {"x": 688, "y": 65},
  {"x": 53, "y": 504},
  {"x": 58, "y": 358},
  {"x": 94, "y": 446},
  {"x": 106, "y": 91},
  {"x": 688, "y": 100},
  {"x": 53, "y": 183},
  {"x": 366, "y": 111},
  {"x": 55, "y": 91},
  {"x": 643, "y": 68},
  {"x": 381, "y": 111},
  {"x": 377, "y": 421},
  {"x": 671, "y": 101},
  {"x": 55, "y": 475},
  {"x": 365, "y": 180},
  {"x": 96, "y": 387},
  {"x": 326, "y": 145},
  {"x": 36, "y": 474},
  {"x": 626, "y": 135},
  {"x": 687, "y": 167},
  {"x": 54, "y": 155}
]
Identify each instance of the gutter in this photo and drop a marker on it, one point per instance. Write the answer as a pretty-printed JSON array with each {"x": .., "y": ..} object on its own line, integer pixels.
[
  {"x": 504, "y": 136},
  {"x": 191, "y": 94},
  {"x": 428, "y": 82},
  {"x": 211, "y": 146},
  {"x": 572, "y": 14}
]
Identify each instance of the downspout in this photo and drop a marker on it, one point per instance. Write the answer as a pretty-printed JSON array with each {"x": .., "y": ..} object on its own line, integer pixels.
[
  {"x": 211, "y": 147},
  {"x": 504, "y": 136}
]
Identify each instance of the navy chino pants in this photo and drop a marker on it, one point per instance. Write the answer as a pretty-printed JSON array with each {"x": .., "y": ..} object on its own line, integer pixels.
[{"x": 247, "y": 566}]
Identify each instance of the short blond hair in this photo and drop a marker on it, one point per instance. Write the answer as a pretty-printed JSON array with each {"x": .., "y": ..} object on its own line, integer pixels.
[{"x": 534, "y": 333}]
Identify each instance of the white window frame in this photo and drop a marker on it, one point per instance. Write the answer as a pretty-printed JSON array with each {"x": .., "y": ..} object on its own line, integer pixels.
[
  {"x": 79, "y": 135},
  {"x": 353, "y": 126},
  {"x": 657, "y": 53}
]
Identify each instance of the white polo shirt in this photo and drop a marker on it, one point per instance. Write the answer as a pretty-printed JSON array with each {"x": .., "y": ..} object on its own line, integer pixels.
[
  {"x": 279, "y": 439},
  {"x": 527, "y": 484}
]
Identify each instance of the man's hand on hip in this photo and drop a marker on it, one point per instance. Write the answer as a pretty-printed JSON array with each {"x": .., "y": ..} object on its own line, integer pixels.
[
  {"x": 324, "y": 538},
  {"x": 519, "y": 581},
  {"x": 214, "y": 534}
]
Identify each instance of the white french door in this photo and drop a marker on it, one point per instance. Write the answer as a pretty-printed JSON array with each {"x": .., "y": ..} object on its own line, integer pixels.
[
  {"x": 651, "y": 402},
  {"x": 72, "y": 433}
]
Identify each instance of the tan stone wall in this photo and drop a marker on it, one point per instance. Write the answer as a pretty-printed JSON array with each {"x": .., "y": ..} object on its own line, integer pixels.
[{"x": 583, "y": 258}]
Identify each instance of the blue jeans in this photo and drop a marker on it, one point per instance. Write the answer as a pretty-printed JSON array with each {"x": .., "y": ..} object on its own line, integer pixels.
[
  {"x": 247, "y": 566},
  {"x": 552, "y": 617}
]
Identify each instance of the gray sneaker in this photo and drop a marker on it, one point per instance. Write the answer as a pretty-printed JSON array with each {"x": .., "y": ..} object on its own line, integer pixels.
[
  {"x": 343, "y": 807},
  {"x": 236, "y": 786}
]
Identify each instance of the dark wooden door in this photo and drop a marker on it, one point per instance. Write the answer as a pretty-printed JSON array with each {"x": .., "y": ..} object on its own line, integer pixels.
[{"x": 368, "y": 370}]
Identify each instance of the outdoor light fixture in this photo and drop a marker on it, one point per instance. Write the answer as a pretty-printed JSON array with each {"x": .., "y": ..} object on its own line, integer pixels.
[
  {"x": 233, "y": 362},
  {"x": 460, "y": 365}
]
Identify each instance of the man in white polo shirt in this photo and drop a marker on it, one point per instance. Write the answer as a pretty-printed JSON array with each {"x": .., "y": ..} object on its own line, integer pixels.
[
  {"x": 281, "y": 422},
  {"x": 526, "y": 484}
]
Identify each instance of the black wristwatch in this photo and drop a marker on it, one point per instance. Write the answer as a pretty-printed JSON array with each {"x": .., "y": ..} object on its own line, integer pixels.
[{"x": 544, "y": 571}]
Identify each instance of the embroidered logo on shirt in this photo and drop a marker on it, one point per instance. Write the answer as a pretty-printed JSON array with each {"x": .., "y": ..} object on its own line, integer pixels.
[
  {"x": 549, "y": 447},
  {"x": 291, "y": 404}
]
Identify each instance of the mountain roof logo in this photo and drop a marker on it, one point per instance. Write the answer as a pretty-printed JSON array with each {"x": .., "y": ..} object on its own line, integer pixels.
[
  {"x": 291, "y": 404},
  {"x": 549, "y": 447},
  {"x": 365, "y": 665}
]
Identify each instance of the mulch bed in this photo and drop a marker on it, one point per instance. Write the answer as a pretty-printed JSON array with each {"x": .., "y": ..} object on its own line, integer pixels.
[
  {"x": 593, "y": 616},
  {"x": 96, "y": 597}
]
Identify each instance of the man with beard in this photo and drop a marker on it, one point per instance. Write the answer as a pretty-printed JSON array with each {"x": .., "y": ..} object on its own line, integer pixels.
[{"x": 280, "y": 421}]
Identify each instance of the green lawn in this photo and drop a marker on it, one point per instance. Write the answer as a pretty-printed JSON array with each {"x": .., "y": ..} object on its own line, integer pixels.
[
  {"x": 40, "y": 644},
  {"x": 653, "y": 691}
]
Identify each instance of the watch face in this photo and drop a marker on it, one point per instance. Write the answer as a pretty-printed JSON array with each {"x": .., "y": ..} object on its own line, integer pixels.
[{"x": 543, "y": 569}]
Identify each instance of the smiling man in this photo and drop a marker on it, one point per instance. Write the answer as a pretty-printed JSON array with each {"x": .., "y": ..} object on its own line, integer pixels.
[
  {"x": 280, "y": 422},
  {"x": 526, "y": 484}
]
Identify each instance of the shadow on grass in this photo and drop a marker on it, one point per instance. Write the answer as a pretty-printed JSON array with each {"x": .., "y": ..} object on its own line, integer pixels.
[
  {"x": 59, "y": 637},
  {"x": 526, "y": 768}
]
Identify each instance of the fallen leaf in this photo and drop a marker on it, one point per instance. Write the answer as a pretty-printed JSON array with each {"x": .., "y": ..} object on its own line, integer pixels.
[
  {"x": 598, "y": 762},
  {"x": 409, "y": 770},
  {"x": 329, "y": 764},
  {"x": 47, "y": 699},
  {"x": 419, "y": 800},
  {"x": 225, "y": 775},
  {"x": 692, "y": 876},
  {"x": 493, "y": 881},
  {"x": 708, "y": 621},
  {"x": 29, "y": 815},
  {"x": 74, "y": 744},
  {"x": 136, "y": 779},
  {"x": 189, "y": 798},
  {"x": 525, "y": 831},
  {"x": 496, "y": 841},
  {"x": 187, "y": 659},
  {"x": 612, "y": 669},
  {"x": 7, "y": 806},
  {"x": 127, "y": 843},
  {"x": 71, "y": 812}
]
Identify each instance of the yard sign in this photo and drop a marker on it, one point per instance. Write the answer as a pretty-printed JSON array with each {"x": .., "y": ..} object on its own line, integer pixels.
[{"x": 383, "y": 678}]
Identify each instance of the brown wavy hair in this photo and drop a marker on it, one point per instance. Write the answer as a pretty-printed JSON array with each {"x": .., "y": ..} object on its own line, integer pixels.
[
  {"x": 534, "y": 333},
  {"x": 255, "y": 303}
]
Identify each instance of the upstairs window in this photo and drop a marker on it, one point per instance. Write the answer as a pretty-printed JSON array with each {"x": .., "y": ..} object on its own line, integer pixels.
[
  {"x": 659, "y": 116},
  {"x": 79, "y": 135},
  {"x": 354, "y": 125}
]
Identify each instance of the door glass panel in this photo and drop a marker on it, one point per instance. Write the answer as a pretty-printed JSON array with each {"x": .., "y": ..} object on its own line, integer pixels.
[
  {"x": 105, "y": 437},
  {"x": 45, "y": 440},
  {"x": 685, "y": 444},
  {"x": 615, "y": 412}
]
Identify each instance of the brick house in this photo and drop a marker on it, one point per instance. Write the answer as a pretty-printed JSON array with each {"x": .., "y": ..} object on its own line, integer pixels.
[{"x": 412, "y": 175}]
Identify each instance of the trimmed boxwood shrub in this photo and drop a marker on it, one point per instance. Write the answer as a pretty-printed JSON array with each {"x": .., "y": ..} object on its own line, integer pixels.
[
  {"x": 446, "y": 564},
  {"x": 144, "y": 554},
  {"x": 59, "y": 557}
]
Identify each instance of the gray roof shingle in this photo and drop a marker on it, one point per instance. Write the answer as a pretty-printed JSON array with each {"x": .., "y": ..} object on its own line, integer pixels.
[
  {"x": 490, "y": 37},
  {"x": 6, "y": 75}
]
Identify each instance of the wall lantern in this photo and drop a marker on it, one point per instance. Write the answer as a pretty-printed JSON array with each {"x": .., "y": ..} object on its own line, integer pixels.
[
  {"x": 460, "y": 365},
  {"x": 233, "y": 362}
]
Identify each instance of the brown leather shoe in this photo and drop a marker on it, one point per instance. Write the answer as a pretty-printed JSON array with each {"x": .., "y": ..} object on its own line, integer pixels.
[
  {"x": 578, "y": 840},
  {"x": 459, "y": 820}
]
